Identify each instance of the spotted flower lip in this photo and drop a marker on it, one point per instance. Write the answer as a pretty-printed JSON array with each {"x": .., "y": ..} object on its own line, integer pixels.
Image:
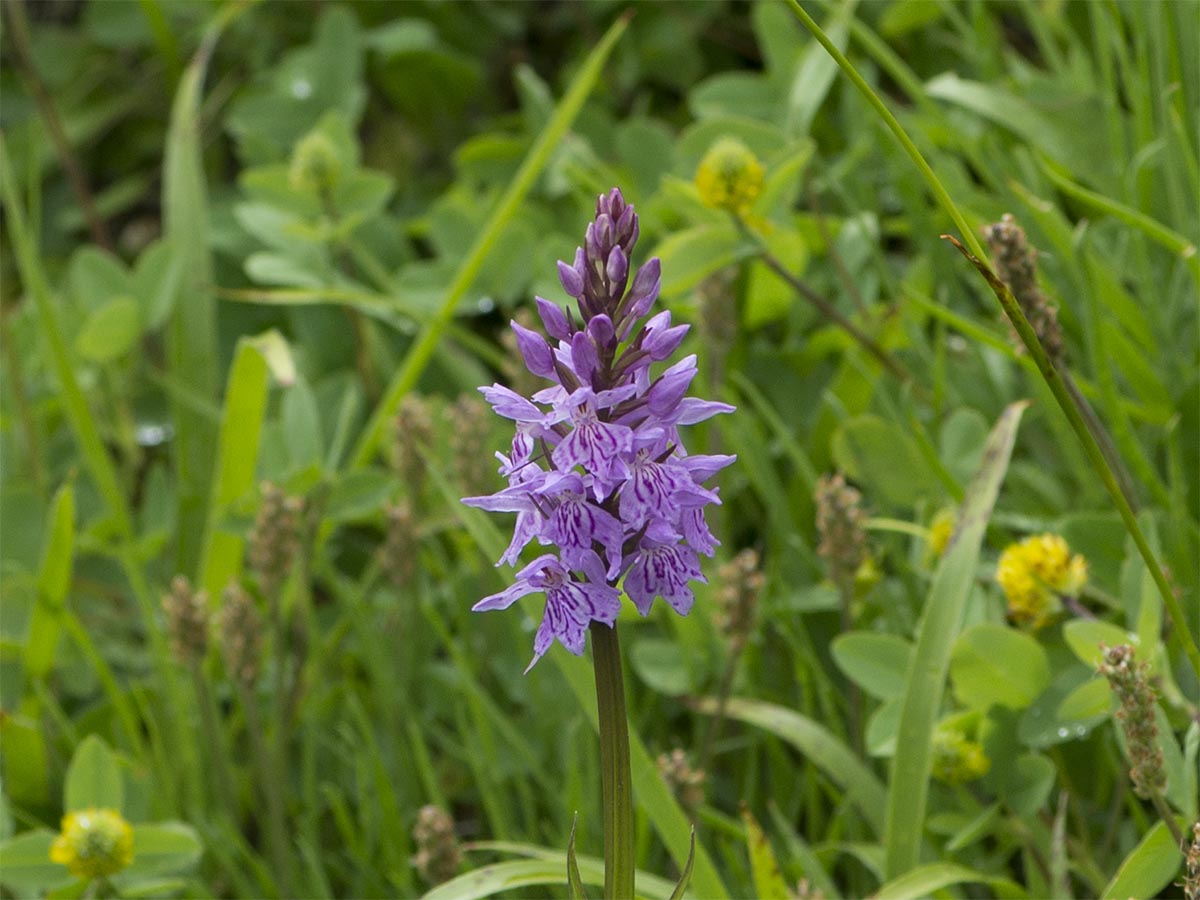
[{"x": 597, "y": 471}]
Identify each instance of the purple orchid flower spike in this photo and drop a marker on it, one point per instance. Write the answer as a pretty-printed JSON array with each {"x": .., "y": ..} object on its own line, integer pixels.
[{"x": 597, "y": 468}]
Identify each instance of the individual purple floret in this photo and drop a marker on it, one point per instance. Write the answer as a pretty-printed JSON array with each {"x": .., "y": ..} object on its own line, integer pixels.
[{"x": 597, "y": 470}]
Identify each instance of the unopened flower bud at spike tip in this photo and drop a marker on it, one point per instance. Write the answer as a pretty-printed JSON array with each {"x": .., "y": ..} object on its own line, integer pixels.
[
  {"x": 617, "y": 267},
  {"x": 598, "y": 472},
  {"x": 572, "y": 281}
]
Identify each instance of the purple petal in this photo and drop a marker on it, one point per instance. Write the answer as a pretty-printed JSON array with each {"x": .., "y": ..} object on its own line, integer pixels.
[
  {"x": 617, "y": 267},
  {"x": 528, "y": 524},
  {"x": 584, "y": 360},
  {"x": 506, "y": 597},
  {"x": 601, "y": 330},
  {"x": 652, "y": 490},
  {"x": 659, "y": 344},
  {"x": 572, "y": 276},
  {"x": 576, "y": 523},
  {"x": 596, "y": 446},
  {"x": 692, "y": 410},
  {"x": 666, "y": 393},
  {"x": 508, "y": 403},
  {"x": 539, "y": 358},
  {"x": 627, "y": 227},
  {"x": 511, "y": 499},
  {"x": 553, "y": 319},
  {"x": 646, "y": 285},
  {"x": 703, "y": 467},
  {"x": 570, "y": 607},
  {"x": 695, "y": 531}
]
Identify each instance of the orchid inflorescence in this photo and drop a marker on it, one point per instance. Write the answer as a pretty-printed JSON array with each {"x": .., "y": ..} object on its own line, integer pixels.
[{"x": 597, "y": 469}]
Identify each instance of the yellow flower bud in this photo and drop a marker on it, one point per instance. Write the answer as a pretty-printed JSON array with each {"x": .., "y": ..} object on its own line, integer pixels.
[
  {"x": 730, "y": 176},
  {"x": 315, "y": 165},
  {"x": 956, "y": 758},
  {"x": 940, "y": 530},
  {"x": 94, "y": 843}
]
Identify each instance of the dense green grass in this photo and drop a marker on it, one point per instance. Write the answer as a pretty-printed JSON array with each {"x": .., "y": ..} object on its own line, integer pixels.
[{"x": 239, "y": 238}]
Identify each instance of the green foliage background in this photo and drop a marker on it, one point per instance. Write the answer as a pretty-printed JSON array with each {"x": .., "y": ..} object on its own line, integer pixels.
[{"x": 302, "y": 213}]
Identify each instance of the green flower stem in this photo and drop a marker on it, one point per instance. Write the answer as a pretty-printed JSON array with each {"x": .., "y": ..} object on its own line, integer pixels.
[
  {"x": 1049, "y": 372},
  {"x": 616, "y": 780}
]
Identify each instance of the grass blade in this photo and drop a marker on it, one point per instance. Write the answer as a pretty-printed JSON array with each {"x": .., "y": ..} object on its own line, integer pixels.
[
  {"x": 543, "y": 148},
  {"x": 544, "y": 869},
  {"x": 191, "y": 336},
  {"x": 1173, "y": 241},
  {"x": 236, "y": 457},
  {"x": 819, "y": 745},
  {"x": 926, "y": 680},
  {"x": 925, "y": 881},
  {"x": 53, "y": 582}
]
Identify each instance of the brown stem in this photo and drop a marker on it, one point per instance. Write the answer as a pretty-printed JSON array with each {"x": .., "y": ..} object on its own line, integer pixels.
[
  {"x": 1164, "y": 813},
  {"x": 839, "y": 264},
  {"x": 828, "y": 310},
  {"x": 49, "y": 112}
]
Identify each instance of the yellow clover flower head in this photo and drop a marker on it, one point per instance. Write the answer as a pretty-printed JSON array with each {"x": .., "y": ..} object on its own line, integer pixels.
[
  {"x": 94, "y": 843},
  {"x": 729, "y": 176},
  {"x": 1035, "y": 573},
  {"x": 956, "y": 758}
]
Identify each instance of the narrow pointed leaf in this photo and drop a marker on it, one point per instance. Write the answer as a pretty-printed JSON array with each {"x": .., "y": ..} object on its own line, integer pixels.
[
  {"x": 236, "y": 457},
  {"x": 574, "y": 883},
  {"x": 54, "y": 578},
  {"x": 926, "y": 680},
  {"x": 768, "y": 881},
  {"x": 686, "y": 875}
]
